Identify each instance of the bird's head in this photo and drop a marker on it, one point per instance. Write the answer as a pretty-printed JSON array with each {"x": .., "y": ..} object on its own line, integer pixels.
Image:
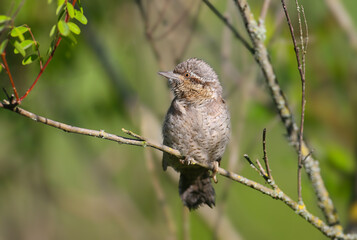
[{"x": 194, "y": 80}]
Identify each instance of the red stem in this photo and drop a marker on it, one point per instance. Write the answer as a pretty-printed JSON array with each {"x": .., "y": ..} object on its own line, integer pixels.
[
  {"x": 10, "y": 76},
  {"x": 48, "y": 60},
  {"x": 42, "y": 69}
]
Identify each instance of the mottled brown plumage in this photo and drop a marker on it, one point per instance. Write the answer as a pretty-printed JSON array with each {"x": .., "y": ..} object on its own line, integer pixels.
[{"x": 198, "y": 125}]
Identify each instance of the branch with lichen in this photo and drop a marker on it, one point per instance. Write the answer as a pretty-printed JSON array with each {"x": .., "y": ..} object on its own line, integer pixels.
[
  {"x": 256, "y": 34},
  {"x": 137, "y": 140}
]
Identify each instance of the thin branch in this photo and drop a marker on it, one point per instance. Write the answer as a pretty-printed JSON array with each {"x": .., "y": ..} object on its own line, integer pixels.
[
  {"x": 274, "y": 193},
  {"x": 229, "y": 25},
  {"x": 257, "y": 169},
  {"x": 265, "y": 156},
  {"x": 6, "y": 66},
  {"x": 299, "y": 58},
  {"x": 261, "y": 169},
  {"x": 130, "y": 133},
  {"x": 304, "y": 46}
]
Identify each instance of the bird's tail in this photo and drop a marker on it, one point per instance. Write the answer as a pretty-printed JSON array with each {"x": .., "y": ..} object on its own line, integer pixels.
[{"x": 195, "y": 188}]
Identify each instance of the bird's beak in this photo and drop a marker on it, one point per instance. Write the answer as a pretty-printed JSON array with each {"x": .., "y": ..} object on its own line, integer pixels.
[{"x": 169, "y": 75}]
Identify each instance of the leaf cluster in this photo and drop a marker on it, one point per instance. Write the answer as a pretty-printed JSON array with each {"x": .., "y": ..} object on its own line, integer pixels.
[{"x": 23, "y": 42}]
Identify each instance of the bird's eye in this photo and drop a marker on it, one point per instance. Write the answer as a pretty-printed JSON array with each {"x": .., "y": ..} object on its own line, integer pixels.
[{"x": 187, "y": 75}]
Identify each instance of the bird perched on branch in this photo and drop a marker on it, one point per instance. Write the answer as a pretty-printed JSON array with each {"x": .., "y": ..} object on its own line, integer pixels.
[{"x": 198, "y": 125}]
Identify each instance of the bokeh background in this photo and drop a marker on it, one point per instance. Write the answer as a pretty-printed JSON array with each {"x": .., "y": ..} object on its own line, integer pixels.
[{"x": 55, "y": 185}]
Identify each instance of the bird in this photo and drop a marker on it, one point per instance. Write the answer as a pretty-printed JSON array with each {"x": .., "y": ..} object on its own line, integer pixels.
[{"x": 197, "y": 124}]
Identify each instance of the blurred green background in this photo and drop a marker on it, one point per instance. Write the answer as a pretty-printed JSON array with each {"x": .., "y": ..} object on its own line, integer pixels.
[{"x": 55, "y": 185}]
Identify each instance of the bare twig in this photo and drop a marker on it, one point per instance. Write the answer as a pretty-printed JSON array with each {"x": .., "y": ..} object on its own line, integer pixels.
[
  {"x": 130, "y": 133},
  {"x": 266, "y": 174},
  {"x": 301, "y": 67},
  {"x": 265, "y": 156},
  {"x": 261, "y": 169},
  {"x": 257, "y": 169}
]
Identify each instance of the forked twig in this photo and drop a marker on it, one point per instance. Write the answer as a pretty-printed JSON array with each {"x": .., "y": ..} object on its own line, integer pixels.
[{"x": 300, "y": 58}]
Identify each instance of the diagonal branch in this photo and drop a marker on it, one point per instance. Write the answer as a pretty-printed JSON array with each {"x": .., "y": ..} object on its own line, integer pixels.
[
  {"x": 311, "y": 165},
  {"x": 275, "y": 193}
]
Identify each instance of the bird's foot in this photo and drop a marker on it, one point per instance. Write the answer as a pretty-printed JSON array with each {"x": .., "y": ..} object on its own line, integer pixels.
[
  {"x": 214, "y": 171},
  {"x": 187, "y": 161}
]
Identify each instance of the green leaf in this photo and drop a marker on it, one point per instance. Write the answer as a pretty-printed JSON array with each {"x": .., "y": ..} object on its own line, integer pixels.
[
  {"x": 59, "y": 6},
  {"x": 53, "y": 29},
  {"x": 29, "y": 59},
  {"x": 18, "y": 32},
  {"x": 15, "y": 32},
  {"x": 63, "y": 28},
  {"x": 80, "y": 17},
  {"x": 70, "y": 10},
  {"x": 4, "y": 18},
  {"x": 19, "y": 48},
  {"x": 49, "y": 1},
  {"x": 74, "y": 28},
  {"x": 24, "y": 45},
  {"x": 0, "y": 68},
  {"x": 3, "y": 45},
  {"x": 60, "y": 2}
]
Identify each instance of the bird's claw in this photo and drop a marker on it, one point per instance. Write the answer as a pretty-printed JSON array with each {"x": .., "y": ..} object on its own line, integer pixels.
[
  {"x": 214, "y": 171},
  {"x": 187, "y": 161}
]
